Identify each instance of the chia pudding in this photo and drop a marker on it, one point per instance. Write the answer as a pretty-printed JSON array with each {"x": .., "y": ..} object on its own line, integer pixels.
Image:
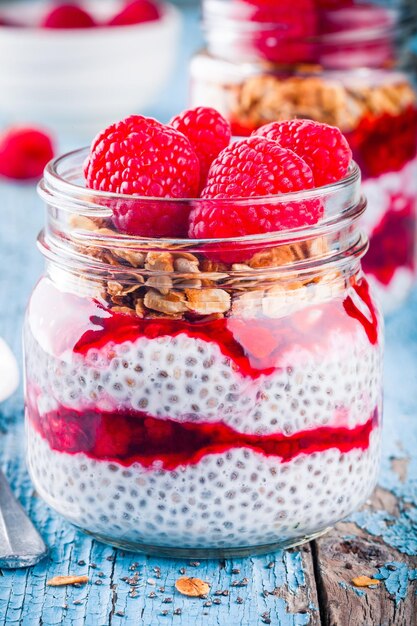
[{"x": 178, "y": 439}]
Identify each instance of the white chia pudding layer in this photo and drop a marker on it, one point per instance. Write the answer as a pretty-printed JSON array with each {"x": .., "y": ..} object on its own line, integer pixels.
[
  {"x": 234, "y": 499},
  {"x": 334, "y": 382}
]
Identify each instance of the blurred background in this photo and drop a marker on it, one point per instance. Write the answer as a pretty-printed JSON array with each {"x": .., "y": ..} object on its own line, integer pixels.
[{"x": 68, "y": 70}]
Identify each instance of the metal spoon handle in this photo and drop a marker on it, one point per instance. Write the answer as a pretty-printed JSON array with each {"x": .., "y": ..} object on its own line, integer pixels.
[{"x": 20, "y": 543}]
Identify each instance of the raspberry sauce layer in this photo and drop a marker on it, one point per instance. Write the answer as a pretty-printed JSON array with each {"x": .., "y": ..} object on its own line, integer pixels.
[
  {"x": 384, "y": 143},
  {"x": 128, "y": 437},
  {"x": 255, "y": 345},
  {"x": 393, "y": 241}
]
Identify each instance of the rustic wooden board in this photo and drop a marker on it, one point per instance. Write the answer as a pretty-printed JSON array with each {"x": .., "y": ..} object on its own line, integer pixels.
[{"x": 281, "y": 589}]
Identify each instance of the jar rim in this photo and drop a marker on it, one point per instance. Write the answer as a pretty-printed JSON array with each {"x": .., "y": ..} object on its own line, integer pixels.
[
  {"x": 342, "y": 37},
  {"x": 59, "y": 189}
]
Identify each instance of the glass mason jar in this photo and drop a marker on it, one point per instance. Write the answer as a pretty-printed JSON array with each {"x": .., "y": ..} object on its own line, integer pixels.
[
  {"x": 201, "y": 397},
  {"x": 342, "y": 67}
]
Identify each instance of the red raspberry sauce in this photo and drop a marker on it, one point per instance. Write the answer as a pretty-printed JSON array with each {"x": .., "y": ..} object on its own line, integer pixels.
[
  {"x": 367, "y": 315},
  {"x": 385, "y": 143},
  {"x": 62, "y": 321},
  {"x": 393, "y": 242},
  {"x": 254, "y": 345},
  {"x": 128, "y": 437}
]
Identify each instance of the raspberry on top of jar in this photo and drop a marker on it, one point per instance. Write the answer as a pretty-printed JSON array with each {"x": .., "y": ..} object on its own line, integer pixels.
[{"x": 214, "y": 339}]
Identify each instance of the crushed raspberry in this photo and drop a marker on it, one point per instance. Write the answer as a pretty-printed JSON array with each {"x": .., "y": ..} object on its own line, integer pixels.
[
  {"x": 398, "y": 224},
  {"x": 321, "y": 146},
  {"x": 384, "y": 143},
  {"x": 208, "y": 133},
  {"x": 136, "y": 12},
  {"x": 68, "y": 16},
  {"x": 251, "y": 168},
  {"x": 24, "y": 152},
  {"x": 140, "y": 156}
]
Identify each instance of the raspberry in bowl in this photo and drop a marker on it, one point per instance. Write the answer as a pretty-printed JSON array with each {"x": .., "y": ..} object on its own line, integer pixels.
[
  {"x": 341, "y": 63},
  {"x": 203, "y": 368}
]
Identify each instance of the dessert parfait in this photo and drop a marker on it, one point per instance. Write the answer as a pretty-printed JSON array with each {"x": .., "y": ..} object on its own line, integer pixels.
[
  {"x": 340, "y": 63},
  {"x": 203, "y": 354}
]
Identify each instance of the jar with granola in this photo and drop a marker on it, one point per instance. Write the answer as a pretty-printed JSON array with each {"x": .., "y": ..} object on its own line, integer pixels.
[
  {"x": 201, "y": 397},
  {"x": 341, "y": 63}
]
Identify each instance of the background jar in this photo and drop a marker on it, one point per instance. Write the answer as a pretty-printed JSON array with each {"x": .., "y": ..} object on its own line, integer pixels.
[
  {"x": 346, "y": 67},
  {"x": 201, "y": 397}
]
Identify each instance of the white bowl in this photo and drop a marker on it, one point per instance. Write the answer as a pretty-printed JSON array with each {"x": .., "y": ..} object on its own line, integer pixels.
[{"x": 77, "y": 81}]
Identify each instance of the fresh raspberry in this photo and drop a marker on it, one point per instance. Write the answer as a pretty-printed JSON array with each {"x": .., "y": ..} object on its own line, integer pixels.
[
  {"x": 321, "y": 146},
  {"x": 68, "y": 16},
  {"x": 334, "y": 4},
  {"x": 140, "y": 156},
  {"x": 256, "y": 166},
  {"x": 136, "y": 12},
  {"x": 152, "y": 218},
  {"x": 284, "y": 29},
  {"x": 208, "y": 133},
  {"x": 24, "y": 152},
  {"x": 251, "y": 168}
]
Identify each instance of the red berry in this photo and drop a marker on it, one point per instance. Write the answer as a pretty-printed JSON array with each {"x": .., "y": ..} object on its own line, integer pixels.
[
  {"x": 333, "y": 4},
  {"x": 321, "y": 146},
  {"x": 284, "y": 29},
  {"x": 136, "y": 12},
  {"x": 152, "y": 218},
  {"x": 208, "y": 133},
  {"x": 24, "y": 152},
  {"x": 256, "y": 167},
  {"x": 140, "y": 156},
  {"x": 251, "y": 168},
  {"x": 68, "y": 16}
]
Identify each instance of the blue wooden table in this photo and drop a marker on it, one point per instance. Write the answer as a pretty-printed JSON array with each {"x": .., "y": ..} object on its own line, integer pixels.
[{"x": 310, "y": 585}]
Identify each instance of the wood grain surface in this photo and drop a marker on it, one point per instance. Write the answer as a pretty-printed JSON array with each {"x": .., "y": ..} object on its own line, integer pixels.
[{"x": 311, "y": 585}]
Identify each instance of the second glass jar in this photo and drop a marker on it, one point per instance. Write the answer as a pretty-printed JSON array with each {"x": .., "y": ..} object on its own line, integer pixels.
[{"x": 340, "y": 66}]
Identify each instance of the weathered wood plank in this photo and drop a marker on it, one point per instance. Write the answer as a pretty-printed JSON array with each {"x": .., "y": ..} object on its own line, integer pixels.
[{"x": 347, "y": 552}]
